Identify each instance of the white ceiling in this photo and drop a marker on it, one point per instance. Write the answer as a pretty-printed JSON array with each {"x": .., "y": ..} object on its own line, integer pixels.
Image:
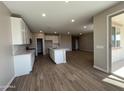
[{"x": 58, "y": 14}]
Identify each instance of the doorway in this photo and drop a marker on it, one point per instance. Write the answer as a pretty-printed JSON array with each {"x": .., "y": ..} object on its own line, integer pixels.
[
  {"x": 117, "y": 44},
  {"x": 40, "y": 46},
  {"x": 75, "y": 43}
]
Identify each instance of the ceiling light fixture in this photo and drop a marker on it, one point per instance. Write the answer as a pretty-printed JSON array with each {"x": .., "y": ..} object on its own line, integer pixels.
[
  {"x": 41, "y": 31},
  {"x": 68, "y": 32},
  {"x": 80, "y": 33},
  {"x": 55, "y": 32},
  {"x": 72, "y": 20},
  {"x": 43, "y": 15},
  {"x": 85, "y": 27}
]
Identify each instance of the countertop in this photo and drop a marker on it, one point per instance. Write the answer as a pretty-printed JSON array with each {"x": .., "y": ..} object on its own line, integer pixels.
[
  {"x": 24, "y": 52},
  {"x": 66, "y": 49}
]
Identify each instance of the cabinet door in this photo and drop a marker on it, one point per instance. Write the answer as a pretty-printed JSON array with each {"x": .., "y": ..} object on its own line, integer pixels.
[
  {"x": 24, "y": 31},
  {"x": 20, "y": 31},
  {"x": 55, "y": 39},
  {"x": 17, "y": 33},
  {"x": 48, "y": 37},
  {"x": 22, "y": 64},
  {"x": 32, "y": 58},
  {"x": 27, "y": 35}
]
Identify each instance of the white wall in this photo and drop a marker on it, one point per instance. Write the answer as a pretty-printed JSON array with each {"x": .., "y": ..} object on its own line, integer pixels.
[
  {"x": 6, "y": 58},
  {"x": 101, "y": 43},
  {"x": 86, "y": 42}
]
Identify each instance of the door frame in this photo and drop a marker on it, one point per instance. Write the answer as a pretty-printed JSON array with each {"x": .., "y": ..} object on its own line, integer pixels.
[{"x": 109, "y": 49}]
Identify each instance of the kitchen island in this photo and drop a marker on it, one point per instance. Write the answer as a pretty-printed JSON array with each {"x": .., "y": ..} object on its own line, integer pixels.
[{"x": 58, "y": 55}]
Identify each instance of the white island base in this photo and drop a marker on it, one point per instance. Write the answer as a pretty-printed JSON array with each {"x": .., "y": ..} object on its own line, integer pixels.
[{"x": 58, "y": 55}]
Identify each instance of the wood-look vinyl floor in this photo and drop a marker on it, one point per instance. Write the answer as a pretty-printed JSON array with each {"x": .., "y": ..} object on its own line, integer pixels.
[{"x": 77, "y": 74}]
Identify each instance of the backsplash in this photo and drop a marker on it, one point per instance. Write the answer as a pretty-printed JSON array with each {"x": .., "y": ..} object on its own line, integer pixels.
[{"x": 18, "y": 48}]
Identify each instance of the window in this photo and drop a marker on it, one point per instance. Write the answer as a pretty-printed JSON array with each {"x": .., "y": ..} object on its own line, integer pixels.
[{"x": 115, "y": 37}]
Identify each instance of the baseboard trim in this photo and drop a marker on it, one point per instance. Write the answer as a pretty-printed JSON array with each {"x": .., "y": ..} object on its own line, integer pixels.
[
  {"x": 96, "y": 67},
  {"x": 5, "y": 88}
]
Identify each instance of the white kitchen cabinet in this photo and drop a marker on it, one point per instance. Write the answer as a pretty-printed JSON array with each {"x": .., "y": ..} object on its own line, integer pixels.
[
  {"x": 54, "y": 38},
  {"x": 58, "y": 55},
  {"x": 23, "y": 63},
  {"x": 19, "y": 31},
  {"x": 27, "y": 35},
  {"x": 48, "y": 37}
]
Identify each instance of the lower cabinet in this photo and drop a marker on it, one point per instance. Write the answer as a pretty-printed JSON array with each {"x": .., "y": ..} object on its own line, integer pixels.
[
  {"x": 23, "y": 64},
  {"x": 58, "y": 55}
]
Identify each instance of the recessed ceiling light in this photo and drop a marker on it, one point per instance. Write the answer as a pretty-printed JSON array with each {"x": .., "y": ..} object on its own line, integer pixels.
[
  {"x": 80, "y": 33},
  {"x": 43, "y": 15},
  {"x": 68, "y": 32},
  {"x": 72, "y": 20},
  {"x": 85, "y": 27},
  {"x": 41, "y": 31}
]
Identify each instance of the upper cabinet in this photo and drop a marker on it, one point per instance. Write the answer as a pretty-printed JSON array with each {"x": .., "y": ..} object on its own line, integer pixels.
[
  {"x": 54, "y": 38},
  {"x": 48, "y": 37},
  {"x": 20, "y": 31}
]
